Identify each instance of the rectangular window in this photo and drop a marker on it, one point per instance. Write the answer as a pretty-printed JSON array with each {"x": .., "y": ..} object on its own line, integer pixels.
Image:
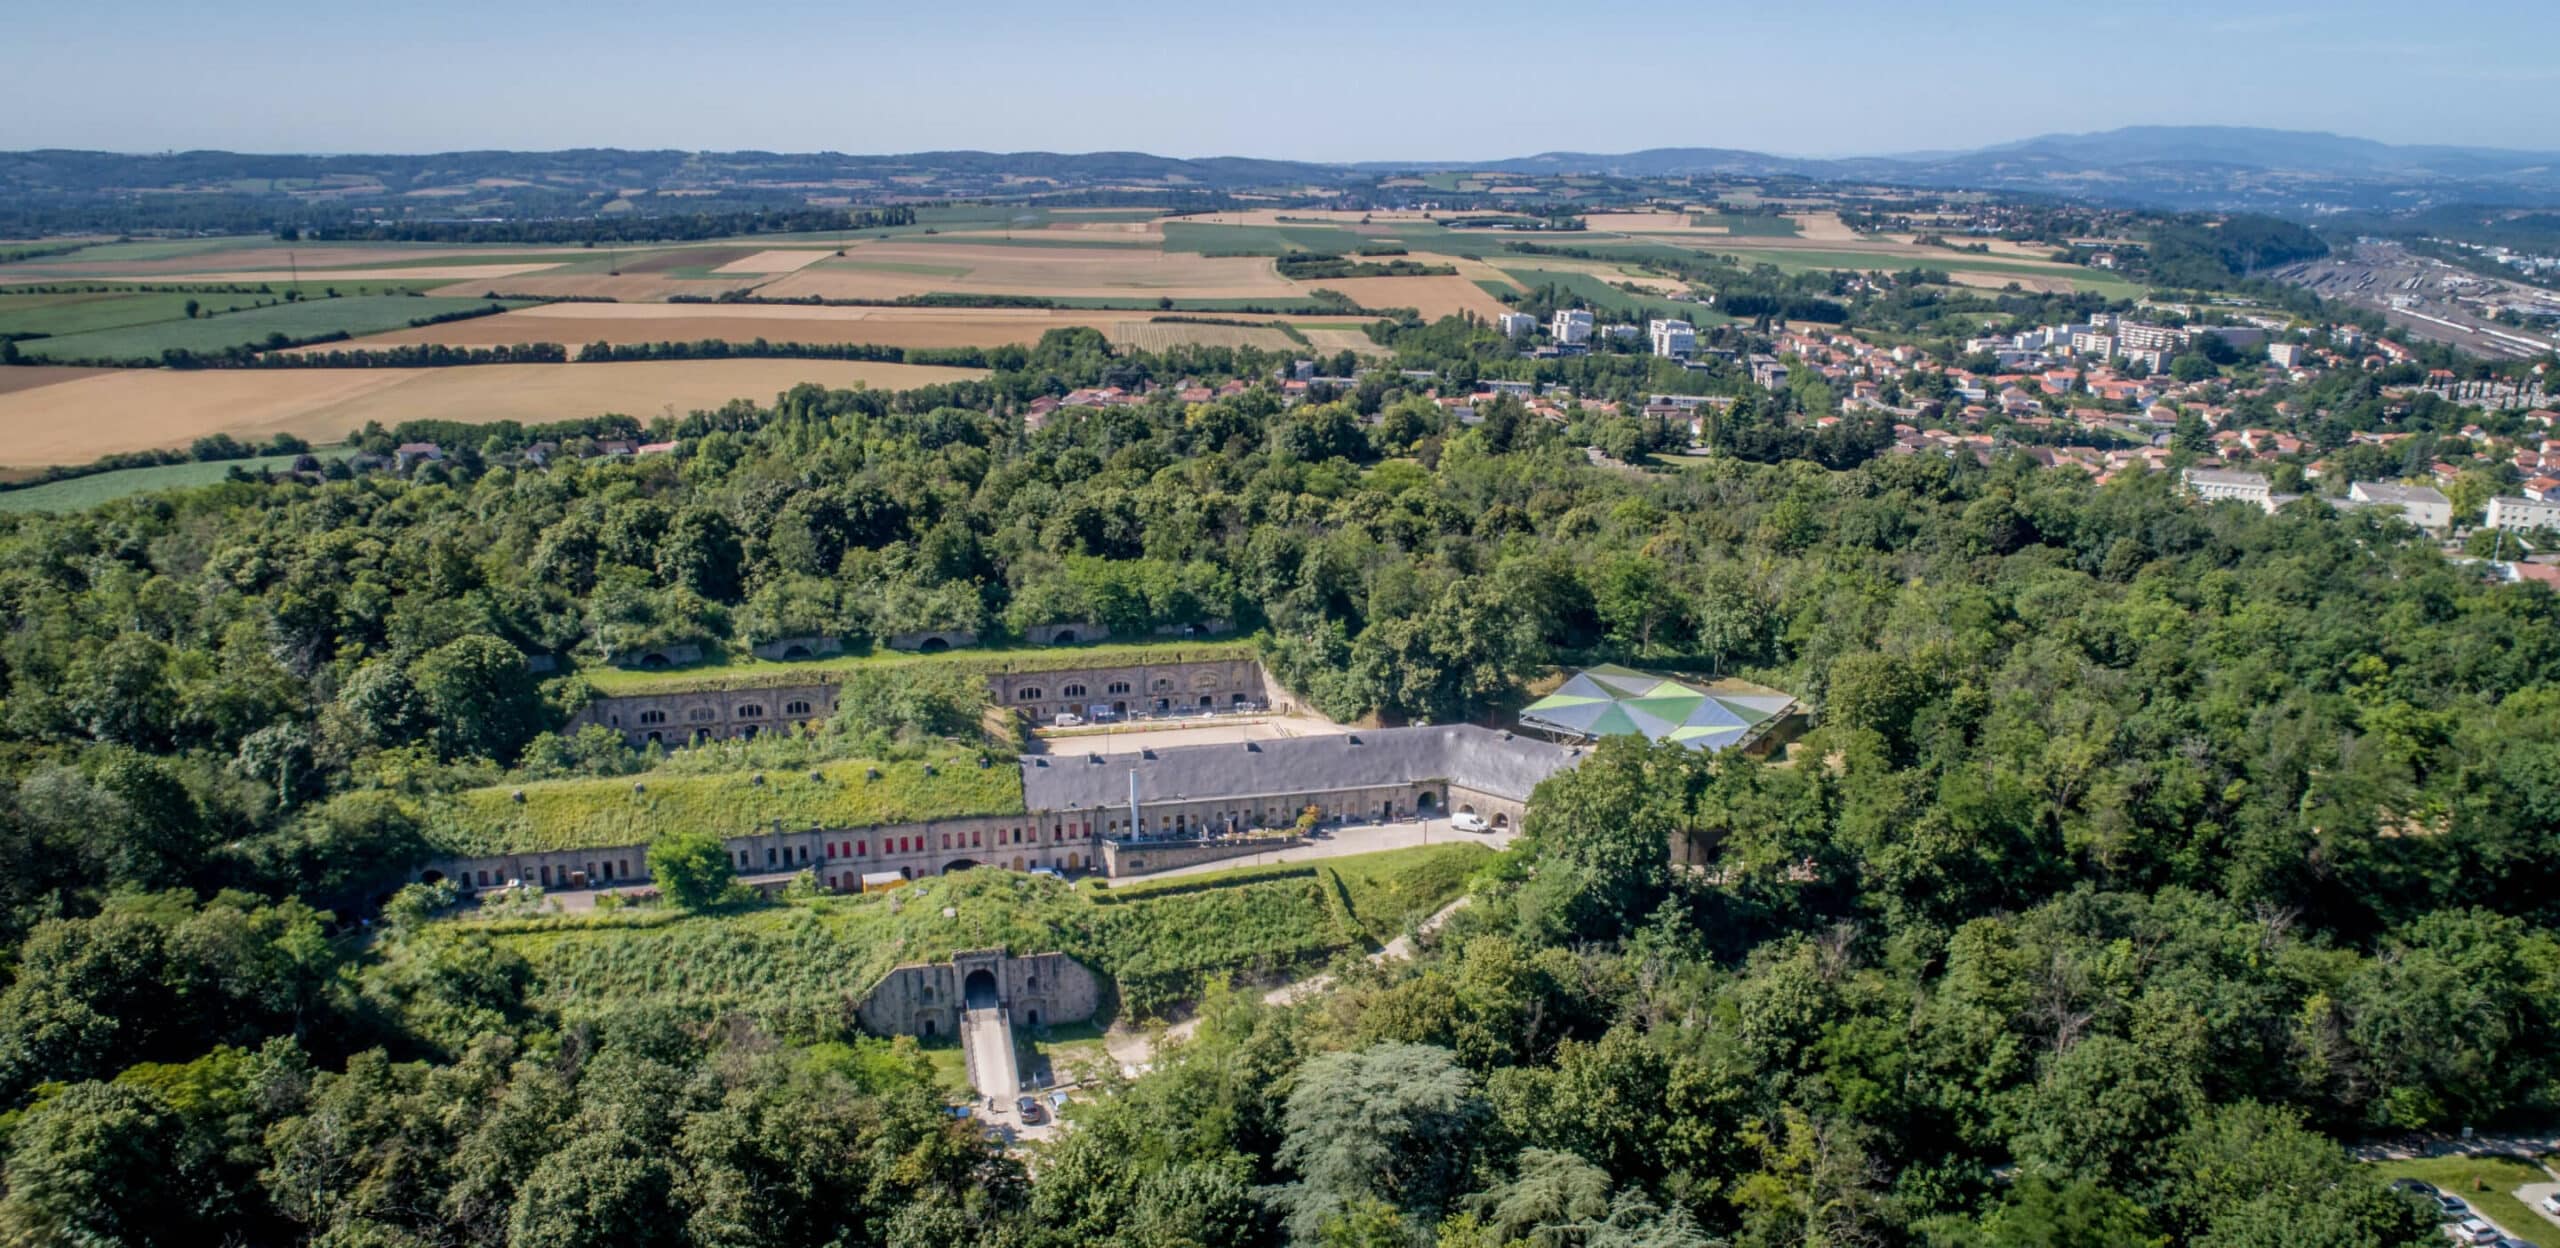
[{"x": 862, "y": 849}]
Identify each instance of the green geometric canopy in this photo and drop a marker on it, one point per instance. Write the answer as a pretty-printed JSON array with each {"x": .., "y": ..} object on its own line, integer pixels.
[{"x": 1610, "y": 701}]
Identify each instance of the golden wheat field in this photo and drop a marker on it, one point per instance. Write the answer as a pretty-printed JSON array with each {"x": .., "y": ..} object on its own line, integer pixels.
[{"x": 80, "y": 418}]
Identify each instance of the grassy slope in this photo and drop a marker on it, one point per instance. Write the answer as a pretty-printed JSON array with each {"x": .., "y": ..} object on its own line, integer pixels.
[
  {"x": 746, "y": 671},
  {"x": 2487, "y": 1184},
  {"x": 815, "y": 957},
  {"x": 578, "y": 814},
  {"x": 360, "y": 314},
  {"x": 82, "y": 492}
]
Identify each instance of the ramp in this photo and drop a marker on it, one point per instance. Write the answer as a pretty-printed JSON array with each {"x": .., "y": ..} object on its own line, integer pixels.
[{"x": 986, "y": 1040}]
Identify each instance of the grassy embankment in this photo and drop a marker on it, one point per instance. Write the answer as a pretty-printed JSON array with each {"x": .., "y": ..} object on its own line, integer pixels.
[
  {"x": 624, "y": 810},
  {"x": 802, "y": 961}
]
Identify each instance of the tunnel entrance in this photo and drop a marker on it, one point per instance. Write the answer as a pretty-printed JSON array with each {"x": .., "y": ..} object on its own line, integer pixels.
[
  {"x": 958, "y": 864},
  {"x": 979, "y": 990}
]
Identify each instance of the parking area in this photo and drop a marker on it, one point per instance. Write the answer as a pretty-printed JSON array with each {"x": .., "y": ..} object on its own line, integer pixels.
[{"x": 1131, "y": 736}]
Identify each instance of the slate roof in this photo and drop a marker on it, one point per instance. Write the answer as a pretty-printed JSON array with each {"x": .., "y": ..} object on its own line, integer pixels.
[
  {"x": 1611, "y": 701},
  {"x": 1499, "y": 764}
]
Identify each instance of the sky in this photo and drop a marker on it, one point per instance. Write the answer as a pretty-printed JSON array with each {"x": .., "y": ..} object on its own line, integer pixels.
[{"x": 1316, "y": 80}]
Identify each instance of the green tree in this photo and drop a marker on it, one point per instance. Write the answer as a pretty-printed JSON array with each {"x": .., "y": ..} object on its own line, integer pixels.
[
  {"x": 691, "y": 867},
  {"x": 479, "y": 697}
]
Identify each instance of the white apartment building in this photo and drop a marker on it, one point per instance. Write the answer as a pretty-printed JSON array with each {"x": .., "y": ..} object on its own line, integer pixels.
[
  {"x": 2214, "y": 485},
  {"x": 1675, "y": 339},
  {"x": 1572, "y": 325},
  {"x": 2421, "y": 505},
  {"x": 2133, "y": 337},
  {"x": 2524, "y": 514},
  {"x": 2289, "y": 355},
  {"x": 1516, "y": 324},
  {"x": 2091, "y": 342}
]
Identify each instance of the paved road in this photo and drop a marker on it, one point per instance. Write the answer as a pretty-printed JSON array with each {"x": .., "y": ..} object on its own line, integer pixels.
[
  {"x": 988, "y": 1036},
  {"x": 2533, "y": 1194}
]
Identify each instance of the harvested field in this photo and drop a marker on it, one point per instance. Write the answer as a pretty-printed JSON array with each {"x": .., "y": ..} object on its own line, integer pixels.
[
  {"x": 2056, "y": 285},
  {"x": 1434, "y": 297},
  {"x": 774, "y": 262},
  {"x": 1159, "y": 335},
  {"x": 685, "y": 258},
  {"x": 1353, "y": 340},
  {"x": 421, "y": 273},
  {"x": 36, "y": 376},
  {"x": 1650, "y": 223},
  {"x": 576, "y": 325},
  {"x": 267, "y": 262},
  {"x": 79, "y": 420},
  {"x": 625, "y": 286},
  {"x": 1046, "y": 271},
  {"x": 1822, "y": 227}
]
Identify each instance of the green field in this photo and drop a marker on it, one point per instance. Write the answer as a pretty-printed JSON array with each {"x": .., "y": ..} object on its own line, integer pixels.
[
  {"x": 1793, "y": 260},
  {"x": 625, "y": 810},
  {"x": 2487, "y": 1184},
  {"x": 1260, "y": 240},
  {"x": 358, "y": 314},
  {"x": 79, "y": 493},
  {"x": 743, "y": 671},
  {"x": 806, "y": 958},
  {"x": 84, "y": 312},
  {"x": 1597, "y": 292},
  {"x": 1747, "y": 225}
]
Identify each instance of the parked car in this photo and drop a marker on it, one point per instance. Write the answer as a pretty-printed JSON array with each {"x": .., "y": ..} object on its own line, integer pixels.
[
  {"x": 1465, "y": 821},
  {"x": 2419, "y": 1186},
  {"x": 2513, "y": 1242},
  {"x": 1068, "y": 719},
  {"x": 2472, "y": 1231},
  {"x": 1033, "y": 1112},
  {"x": 2451, "y": 1207},
  {"x": 2551, "y": 1204}
]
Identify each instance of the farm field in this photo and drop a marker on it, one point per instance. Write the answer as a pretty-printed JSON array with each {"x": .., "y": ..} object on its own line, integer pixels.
[
  {"x": 991, "y": 268},
  {"x": 1596, "y": 290},
  {"x": 89, "y": 491},
  {"x": 578, "y": 324},
  {"x": 1434, "y": 297},
  {"x": 360, "y": 314},
  {"x": 79, "y": 420}
]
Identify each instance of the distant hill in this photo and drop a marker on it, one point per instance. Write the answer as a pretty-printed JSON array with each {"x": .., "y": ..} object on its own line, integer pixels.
[
  {"x": 2292, "y": 173},
  {"x": 2227, "y": 167}
]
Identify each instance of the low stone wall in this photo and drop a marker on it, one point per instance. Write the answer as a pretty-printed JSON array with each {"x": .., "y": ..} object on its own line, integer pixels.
[
  {"x": 1125, "y": 689},
  {"x": 1121, "y": 858},
  {"x": 673, "y": 719}
]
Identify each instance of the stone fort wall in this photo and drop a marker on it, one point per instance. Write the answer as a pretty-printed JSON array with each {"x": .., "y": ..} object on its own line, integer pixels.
[{"x": 926, "y": 999}]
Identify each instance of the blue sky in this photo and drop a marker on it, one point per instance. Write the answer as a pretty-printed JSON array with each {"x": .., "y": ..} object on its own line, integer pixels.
[{"x": 1315, "y": 80}]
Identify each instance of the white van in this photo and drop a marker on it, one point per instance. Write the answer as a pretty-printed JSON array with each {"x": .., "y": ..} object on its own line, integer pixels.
[{"x": 1467, "y": 821}]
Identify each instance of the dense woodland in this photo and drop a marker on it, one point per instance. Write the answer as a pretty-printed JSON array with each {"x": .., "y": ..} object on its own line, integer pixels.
[{"x": 2143, "y": 852}]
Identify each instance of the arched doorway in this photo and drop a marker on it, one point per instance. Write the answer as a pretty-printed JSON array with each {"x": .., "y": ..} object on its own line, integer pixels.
[
  {"x": 958, "y": 864},
  {"x": 432, "y": 877},
  {"x": 979, "y": 990},
  {"x": 924, "y": 1027},
  {"x": 1425, "y": 803},
  {"x": 933, "y": 645},
  {"x": 1502, "y": 821},
  {"x": 794, "y": 651},
  {"x": 653, "y": 660},
  {"x": 1065, "y": 637}
]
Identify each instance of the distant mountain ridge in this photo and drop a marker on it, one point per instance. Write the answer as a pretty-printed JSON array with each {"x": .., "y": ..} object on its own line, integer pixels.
[{"x": 2299, "y": 173}]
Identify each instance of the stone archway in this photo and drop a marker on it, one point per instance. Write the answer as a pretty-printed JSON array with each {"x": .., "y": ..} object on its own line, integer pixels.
[
  {"x": 958, "y": 864},
  {"x": 979, "y": 990},
  {"x": 1065, "y": 637},
  {"x": 1425, "y": 803},
  {"x": 933, "y": 645},
  {"x": 794, "y": 651}
]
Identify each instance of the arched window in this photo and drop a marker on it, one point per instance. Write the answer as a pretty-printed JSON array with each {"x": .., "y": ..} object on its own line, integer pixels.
[
  {"x": 796, "y": 708},
  {"x": 1162, "y": 683},
  {"x": 653, "y": 717},
  {"x": 1119, "y": 686},
  {"x": 751, "y": 711},
  {"x": 1027, "y": 693},
  {"x": 1072, "y": 691},
  {"x": 702, "y": 714}
]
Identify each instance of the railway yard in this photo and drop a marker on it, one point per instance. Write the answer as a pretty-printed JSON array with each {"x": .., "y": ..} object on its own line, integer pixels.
[{"x": 2433, "y": 299}]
